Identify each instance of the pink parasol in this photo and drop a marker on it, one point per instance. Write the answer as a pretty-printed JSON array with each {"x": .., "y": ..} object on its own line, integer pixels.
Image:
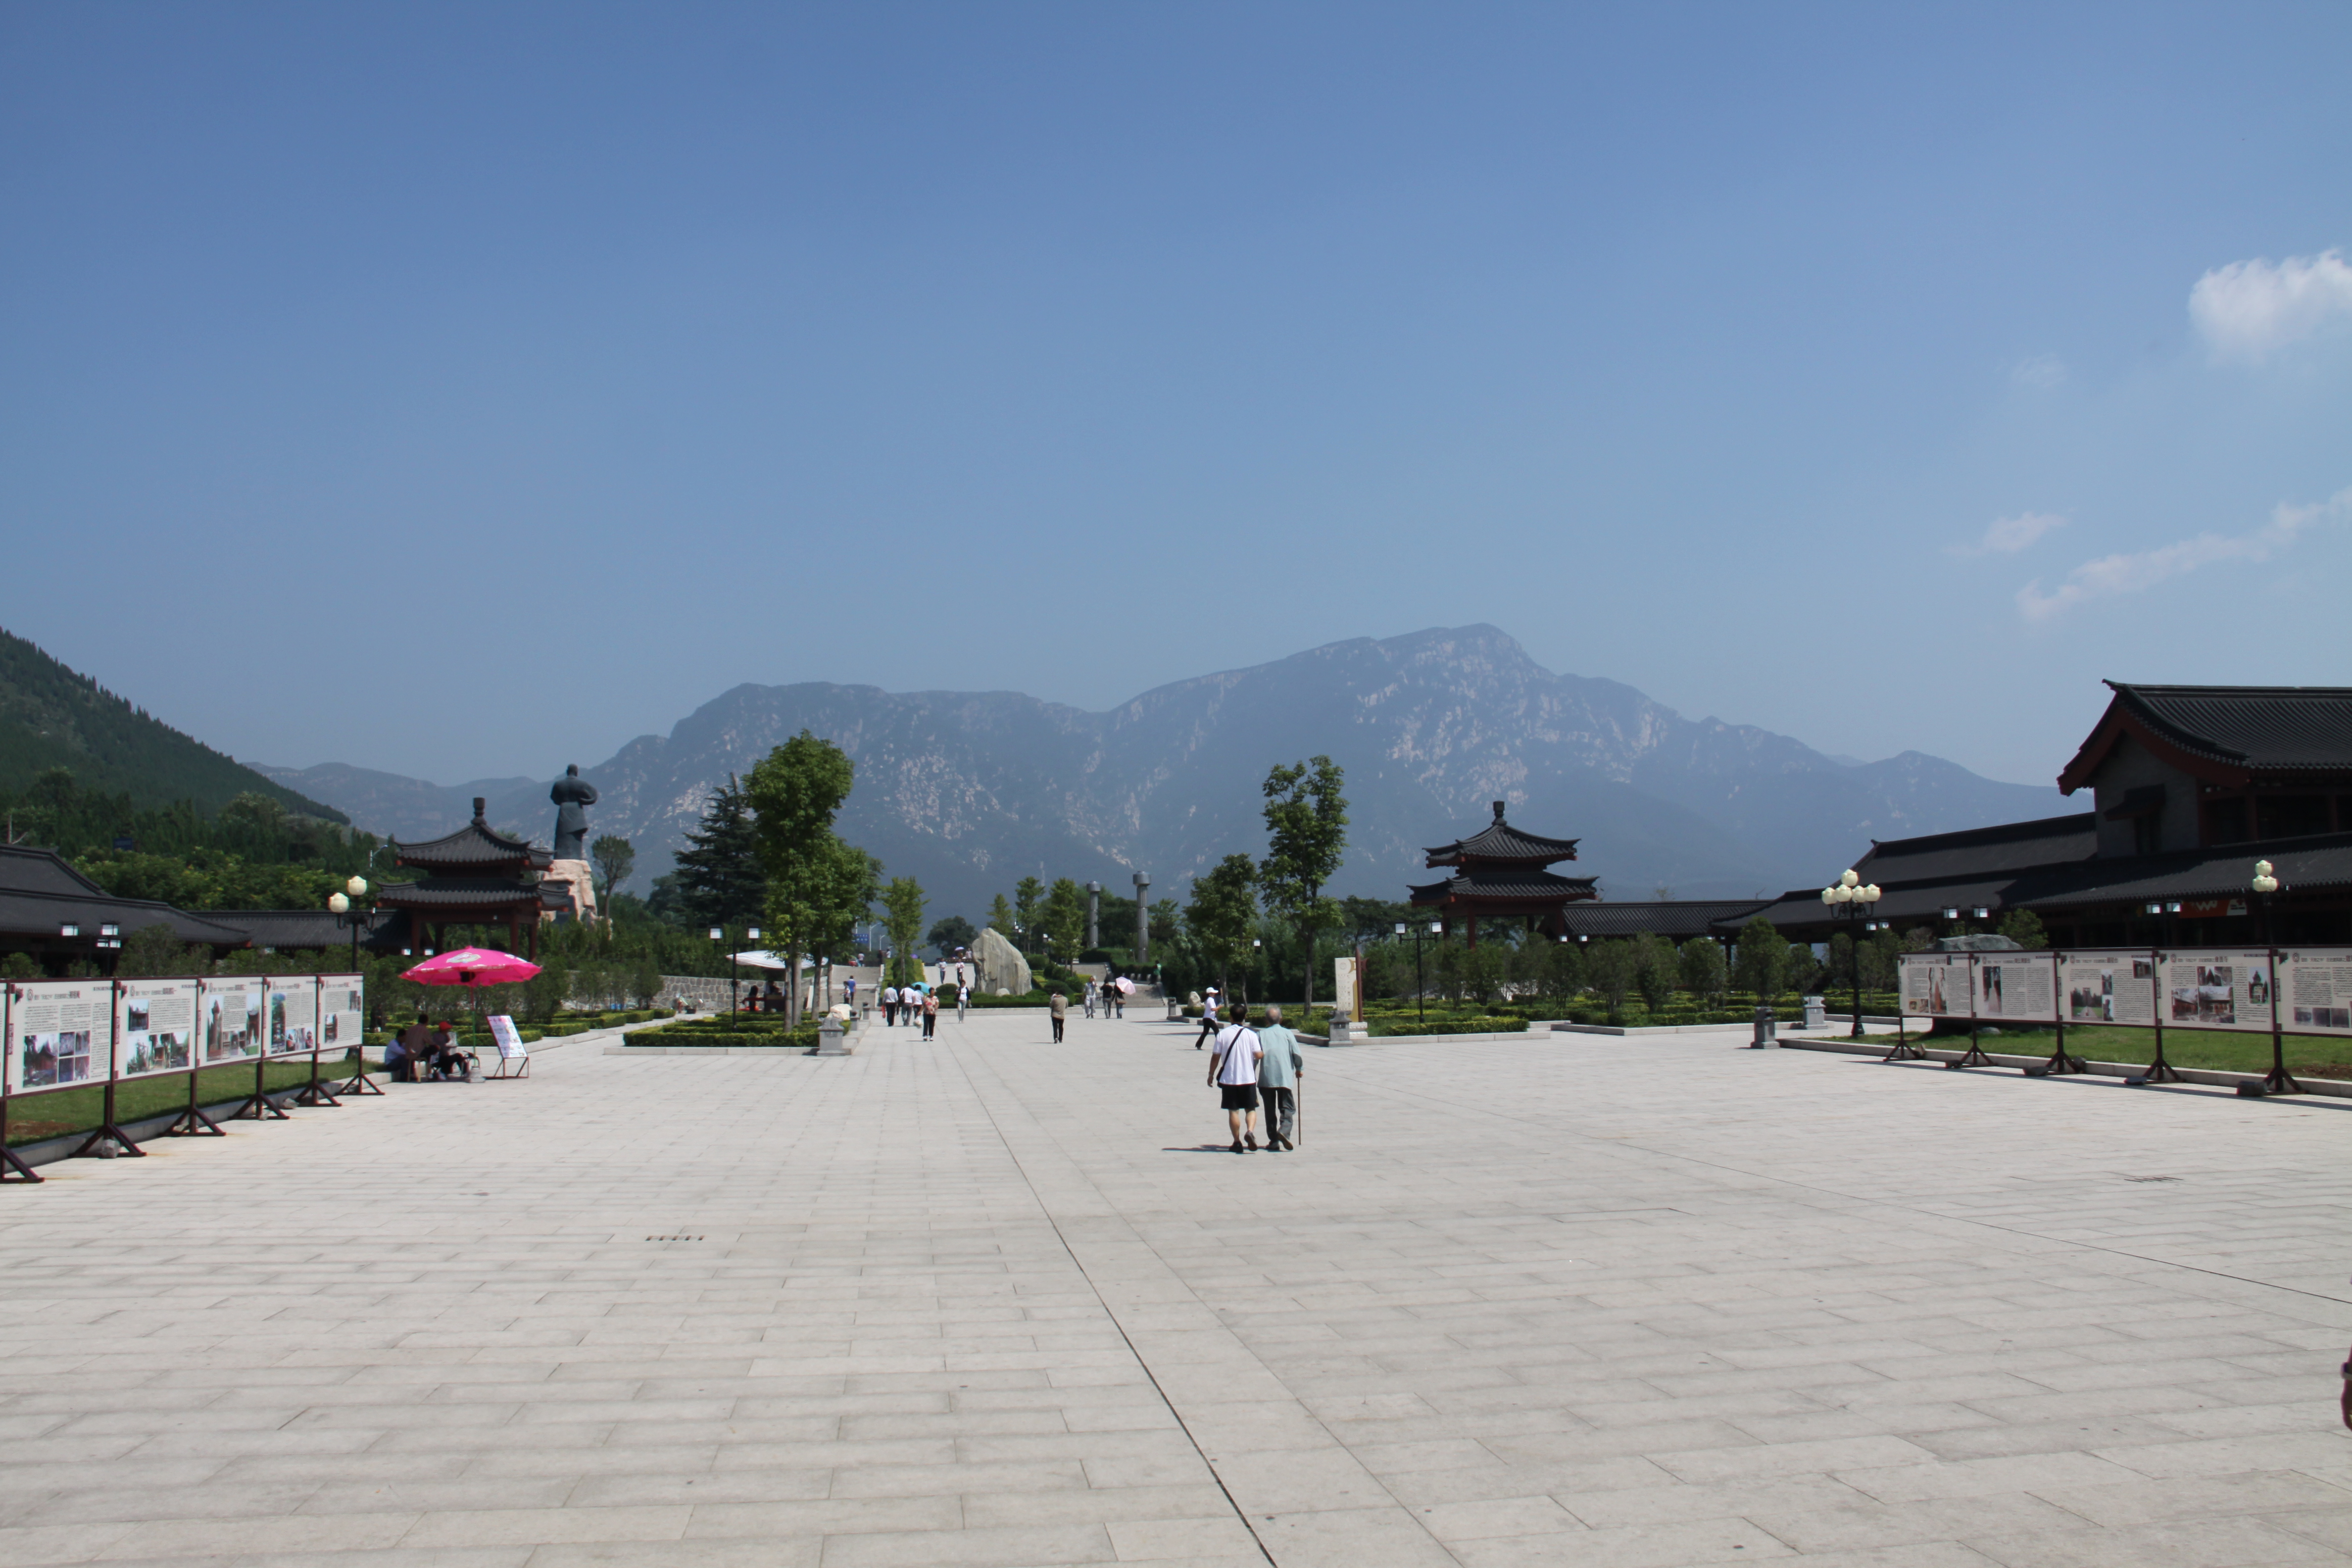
[
  {"x": 1126, "y": 986},
  {"x": 474, "y": 966}
]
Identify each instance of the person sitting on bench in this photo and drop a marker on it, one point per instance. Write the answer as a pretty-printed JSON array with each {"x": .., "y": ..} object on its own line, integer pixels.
[
  {"x": 407, "y": 1049},
  {"x": 445, "y": 1059}
]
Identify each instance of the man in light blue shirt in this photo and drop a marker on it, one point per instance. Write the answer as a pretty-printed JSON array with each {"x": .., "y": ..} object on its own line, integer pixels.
[{"x": 1279, "y": 1069}]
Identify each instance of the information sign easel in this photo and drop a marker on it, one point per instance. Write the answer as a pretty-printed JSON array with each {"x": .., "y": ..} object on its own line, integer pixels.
[{"x": 514, "y": 1056}]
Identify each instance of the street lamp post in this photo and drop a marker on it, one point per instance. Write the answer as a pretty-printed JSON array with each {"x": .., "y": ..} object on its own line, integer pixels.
[
  {"x": 1850, "y": 896},
  {"x": 2277, "y": 1081},
  {"x": 349, "y": 914},
  {"x": 1419, "y": 997}
]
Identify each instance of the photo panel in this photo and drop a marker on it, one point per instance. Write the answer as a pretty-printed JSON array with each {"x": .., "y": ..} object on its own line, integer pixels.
[
  {"x": 2108, "y": 987},
  {"x": 2017, "y": 986},
  {"x": 229, "y": 1018},
  {"x": 155, "y": 1024},
  {"x": 60, "y": 1033},
  {"x": 343, "y": 1012},
  {"x": 2217, "y": 988},
  {"x": 1937, "y": 984},
  {"x": 2317, "y": 998},
  {"x": 291, "y": 1028}
]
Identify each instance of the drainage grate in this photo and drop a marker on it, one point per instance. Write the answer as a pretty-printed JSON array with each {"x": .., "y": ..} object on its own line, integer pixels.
[
  {"x": 699, "y": 1238},
  {"x": 2151, "y": 1178}
]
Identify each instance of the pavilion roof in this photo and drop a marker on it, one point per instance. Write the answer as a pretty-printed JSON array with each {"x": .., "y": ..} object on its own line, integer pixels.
[
  {"x": 1505, "y": 884},
  {"x": 1500, "y": 841},
  {"x": 461, "y": 892},
  {"x": 476, "y": 846}
]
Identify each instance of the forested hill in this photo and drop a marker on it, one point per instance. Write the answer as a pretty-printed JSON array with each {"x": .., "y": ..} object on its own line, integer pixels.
[{"x": 52, "y": 718}]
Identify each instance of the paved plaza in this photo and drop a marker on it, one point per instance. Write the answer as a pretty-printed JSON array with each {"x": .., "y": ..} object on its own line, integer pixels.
[{"x": 990, "y": 1300}]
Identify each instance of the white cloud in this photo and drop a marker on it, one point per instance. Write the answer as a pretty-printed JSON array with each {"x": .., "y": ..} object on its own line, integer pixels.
[
  {"x": 2008, "y": 535},
  {"x": 2249, "y": 308},
  {"x": 2131, "y": 573},
  {"x": 2041, "y": 370}
]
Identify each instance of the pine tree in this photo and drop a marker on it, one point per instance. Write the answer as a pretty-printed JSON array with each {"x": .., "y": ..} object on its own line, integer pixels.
[{"x": 719, "y": 879}]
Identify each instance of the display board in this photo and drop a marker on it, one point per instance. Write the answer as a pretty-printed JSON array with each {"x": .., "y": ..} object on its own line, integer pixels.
[
  {"x": 2318, "y": 994},
  {"x": 2217, "y": 988},
  {"x": 293, "y": 1021},
  {"x": 2020, "y": 986},
  {"x": 155, "y": 1026},
  {"x": 229, "y": 1018},
  {"x": 60, "y": 1033},
  {"x": 2115, "y": 987},
  {"x": 342, "y": 1011},
  {"x": 1938, "y": 984},
  {"x": 510, "y": 1040}
]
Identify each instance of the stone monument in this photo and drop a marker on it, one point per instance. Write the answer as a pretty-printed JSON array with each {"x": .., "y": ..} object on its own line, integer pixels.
[
  {"x": 573, "y": 797},
  {"x": 1002, "y": 971}
]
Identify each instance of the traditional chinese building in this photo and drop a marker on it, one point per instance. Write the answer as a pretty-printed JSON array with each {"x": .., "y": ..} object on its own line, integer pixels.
[
  {"x": 2190, "y": 786},
  {"x": 475, "y": 875},
  {"x": 1501, "y": 874}
]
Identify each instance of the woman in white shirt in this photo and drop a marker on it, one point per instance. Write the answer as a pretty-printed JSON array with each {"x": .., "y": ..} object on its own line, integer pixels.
[{"x": 1233, "y": 1069}]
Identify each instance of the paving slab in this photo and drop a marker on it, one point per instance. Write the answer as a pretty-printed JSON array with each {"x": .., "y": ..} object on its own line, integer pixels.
[{"x": 988, "y": 1299}]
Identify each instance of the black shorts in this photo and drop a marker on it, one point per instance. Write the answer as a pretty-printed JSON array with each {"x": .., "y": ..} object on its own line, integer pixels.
[{"x": 1240, "y": 1096}]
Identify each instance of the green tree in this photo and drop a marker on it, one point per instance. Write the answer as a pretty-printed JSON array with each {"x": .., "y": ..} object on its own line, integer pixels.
[
  {"x": 1805, "y": 970},
  {"x": 153, "y": 949},
  {"x": 1307, "y": 835},
  {"x": 1704, "y": 973},
  {"x": 1002, "y": 920},
  {"x": 1483, "y": 968},
  {"x": 1760, "y": 959},
  {"x": 950, "y": 933},
  {"x": 817, "y": 886},
  {"x": 1564, "y": 969},
  {"x": 1163, "y": 917},
  {"x": 1027, "y": 894},
  {"x": 1654, "y": 971},
  {"x": 1218, "y": 920},
  {"x": 2023, "y": 927},
  {"x": 720, "y": 879},
  {"x": 1608, "y": 968},
  {"x": 902, "y": 917},
  {"x": 1062, "y": 918},
  {"x": 616, "y": 856}
]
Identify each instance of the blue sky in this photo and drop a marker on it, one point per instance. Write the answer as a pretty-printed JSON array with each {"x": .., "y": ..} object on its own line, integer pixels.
[{"x": 1881, "y": 375}]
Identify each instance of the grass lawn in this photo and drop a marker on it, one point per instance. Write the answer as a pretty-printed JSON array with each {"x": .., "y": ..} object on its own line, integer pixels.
[
  {"x": 2216, "y": 1050},
  {"x": 33, "y": 1116}
]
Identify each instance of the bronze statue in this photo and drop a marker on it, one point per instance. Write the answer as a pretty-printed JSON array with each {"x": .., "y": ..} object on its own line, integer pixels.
[{"x": 573, "y": 795}]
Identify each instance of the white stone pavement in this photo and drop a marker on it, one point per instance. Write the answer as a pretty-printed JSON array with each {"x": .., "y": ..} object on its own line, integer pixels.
[{"x": 986, "y": 1300}]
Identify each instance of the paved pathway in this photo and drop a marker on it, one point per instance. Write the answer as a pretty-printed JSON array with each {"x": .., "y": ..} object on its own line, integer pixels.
[{"x": 990, "y": 1302}]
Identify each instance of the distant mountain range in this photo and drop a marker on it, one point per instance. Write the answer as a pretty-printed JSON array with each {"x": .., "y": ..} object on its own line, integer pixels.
[
  {"x": 968, "y": 792},
  {"x": 51, "y": 717}
]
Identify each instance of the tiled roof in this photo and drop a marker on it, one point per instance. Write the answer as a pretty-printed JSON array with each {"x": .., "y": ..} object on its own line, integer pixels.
[
  {"x": 384, "y": 931},
  {"x": 40, "y": 892},
  {"x": 2262, "y": 727},
  {"x": 476, "y": 846},
  {"x": 1499, "y": 840},
  {"x": 1677, "y": 918},
  {"x": 453, "y": 892},
  {"x": 1980, "y": 852},
  {"x": 2299, "y": 863},
  {"x": 2235, "y": 732},
  {"x": 1504, "y": 883}
]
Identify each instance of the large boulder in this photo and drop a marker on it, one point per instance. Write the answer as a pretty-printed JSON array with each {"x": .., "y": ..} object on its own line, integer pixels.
[{"x": 1002, "y": 968}]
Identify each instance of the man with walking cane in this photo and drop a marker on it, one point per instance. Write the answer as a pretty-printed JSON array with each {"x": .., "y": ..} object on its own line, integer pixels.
[{"x": 1279, "y": 1069}]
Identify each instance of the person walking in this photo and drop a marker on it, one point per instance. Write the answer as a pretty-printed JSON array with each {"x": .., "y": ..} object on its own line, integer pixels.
[
  {"x": 1233, "y": 1069},
  {"x": 889, "y": 1005},
  {"x": 963, "y": 999},
  {"x": 1279, "y": 1069},
  {"x": 931, "y": 1015},
  {"x": 1208, "y": 1019},
  {"x": 1088, "y": 999},
  {"x": 1059, "y": 1005}
]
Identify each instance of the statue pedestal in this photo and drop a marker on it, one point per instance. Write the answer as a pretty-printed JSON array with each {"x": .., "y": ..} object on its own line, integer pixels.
[{"x": 583, "y": 885}]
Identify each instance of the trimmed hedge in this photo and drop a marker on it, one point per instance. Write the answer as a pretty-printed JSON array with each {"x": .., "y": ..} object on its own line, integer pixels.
[{"x": 1386, "y": 1028}]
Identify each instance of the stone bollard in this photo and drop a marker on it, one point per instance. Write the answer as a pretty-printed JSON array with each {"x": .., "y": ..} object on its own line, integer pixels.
[
  {"x": 1343, "y": 1032},
  {"x": 831, "y": 1041},
  {"x": 1175, "y": 1011},
  {"x": 1817, "y": 1012},
  {"x": 1767, "y": 1030}
]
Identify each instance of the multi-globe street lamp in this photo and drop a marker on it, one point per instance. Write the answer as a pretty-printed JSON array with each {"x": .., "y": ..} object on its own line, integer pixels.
[
  {"x": 1851, "y": 897},
  {"x": 1420, "y": 1007}
]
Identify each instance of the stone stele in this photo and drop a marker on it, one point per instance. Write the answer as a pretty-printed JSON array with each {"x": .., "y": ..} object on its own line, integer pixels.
[{"x": 1003, "y": 970}]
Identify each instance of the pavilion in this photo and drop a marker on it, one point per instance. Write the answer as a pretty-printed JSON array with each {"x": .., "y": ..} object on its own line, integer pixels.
[
  {"x": 475, "y": 875},
  {"x": 1500, "y": 873}
]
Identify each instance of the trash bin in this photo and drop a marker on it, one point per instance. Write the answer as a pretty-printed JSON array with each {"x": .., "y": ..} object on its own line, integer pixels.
[
  {"x": 1817, "y": 1012},
  {"x": 1767, "y": 1030}
]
